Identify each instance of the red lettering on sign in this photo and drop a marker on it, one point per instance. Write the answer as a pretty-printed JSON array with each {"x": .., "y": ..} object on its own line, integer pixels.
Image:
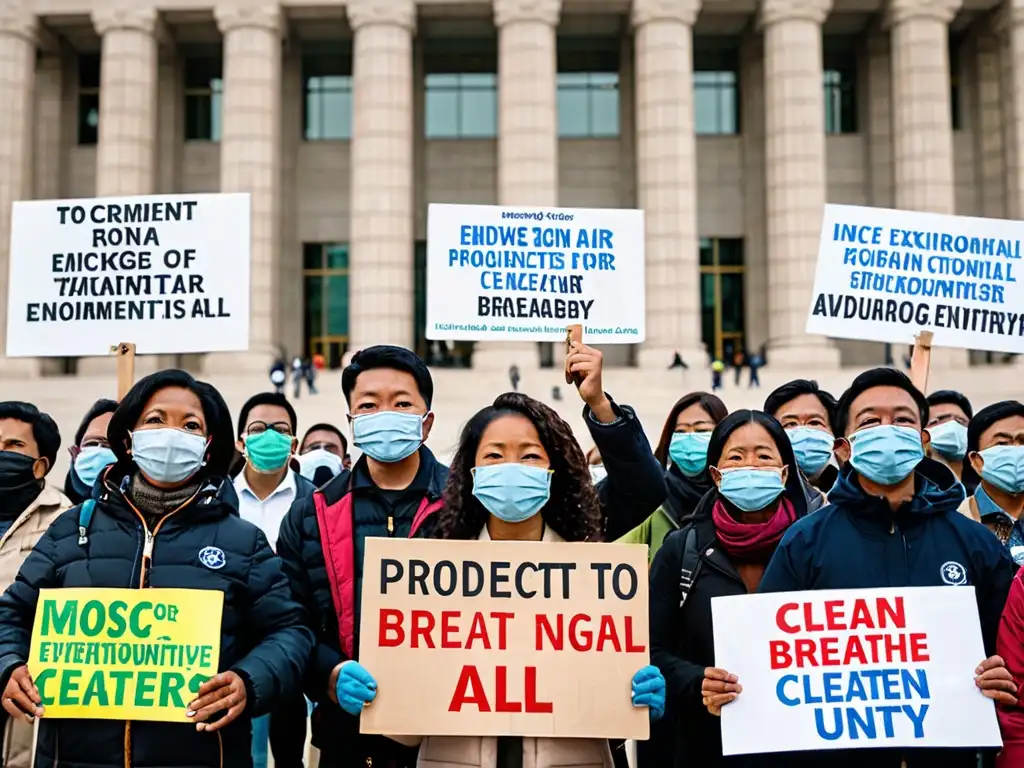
[
  {"x": 782, "y": 622},
  {"x": 779, "y": 650},
  {"x": 919, "y": 647},
  {"x": 532, "y": 705},
  {"x": 470, "y": 691},
  {"x": 449, "y": 628},
  {"x": 389, "y": 632},
  {"x": 469, "y": 678},
  {"x": 422, "y": 626},
  {"x": 478, "y": 631}
]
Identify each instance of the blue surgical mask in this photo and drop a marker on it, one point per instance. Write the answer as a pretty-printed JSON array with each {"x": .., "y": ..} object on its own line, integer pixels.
[
  {"x": 388, "y": 436},
  {"x": 512, "y": 492},
  {"x": 750, "y": 488},
  {"x": 168, "y": 455},
  {"x": 310, "y": 462},
  {"x": 886, "y": 454},
  {"x": 1004, "y": 467},
  {"x": 949, "y": 440},
  {"x": 689, "y": 451},
  {"x": 813, "y": 448},
  {"x": 91, "y": 461}
]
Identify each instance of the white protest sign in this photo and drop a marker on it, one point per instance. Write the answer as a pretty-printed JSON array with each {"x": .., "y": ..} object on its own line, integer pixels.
[
  {"x": 497, "y": 273},
  {"x": 853, "y": 668},
  {"x": 884, "y": 275},
  {"x": 169, "y": 273}
]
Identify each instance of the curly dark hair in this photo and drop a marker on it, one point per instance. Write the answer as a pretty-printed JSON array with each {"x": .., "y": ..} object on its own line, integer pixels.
[{"x": 572, "y": 511}]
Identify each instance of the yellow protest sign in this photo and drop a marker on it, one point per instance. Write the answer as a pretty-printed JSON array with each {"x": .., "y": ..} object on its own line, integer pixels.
[{"x": 124, "y": 654}]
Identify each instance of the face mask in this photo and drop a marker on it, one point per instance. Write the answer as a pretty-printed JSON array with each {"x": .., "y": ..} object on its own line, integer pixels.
[
  {"x": 949, "y": 440},
  {"x": 751, "y": 489},
  {"x": 1004, "y": 468},
  {"x": 388, "y": 436},
  {"x": 886, "y": 454},
  {"x": 689, "y": 451},
  {"x": 512, "y": 492},
  {"x": 310, "y": 462},
  {"x": 168, "y": 455},
  {"x": 19, "y": 487},
  {"x": 91, "y": 461},
  {"x": 813, "y": 448},
  {"x": 268, "y": 451},
  {"x": 598, "y": 473}
]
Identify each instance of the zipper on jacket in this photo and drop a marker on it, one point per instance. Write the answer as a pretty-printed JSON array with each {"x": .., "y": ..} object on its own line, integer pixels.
[{"x": 391, "y": 525}]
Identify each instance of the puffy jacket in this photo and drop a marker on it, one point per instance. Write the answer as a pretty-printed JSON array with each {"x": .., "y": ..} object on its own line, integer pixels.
[
  {"x": 857, "y": 541},
  {"x": 264, "y": 633},
  {"x": 15, "y": 545}
]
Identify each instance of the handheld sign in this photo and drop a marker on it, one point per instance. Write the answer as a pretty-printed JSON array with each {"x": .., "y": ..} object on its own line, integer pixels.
[
  {"x": 885, "y": 275},
  {"x": 168, "y": 272},
  {"x": 497, "y": 273},
  {"x": 125, "y": 368},
  {"x": 853, "y": 668},
  {"x": 124, "y": 654},
  {"x": 504, "y": 638},
  {"x": 921, "y": 360}
]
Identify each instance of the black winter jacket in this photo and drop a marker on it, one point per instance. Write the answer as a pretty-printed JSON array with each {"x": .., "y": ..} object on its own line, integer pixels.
[{"x": 264, "y": 634}]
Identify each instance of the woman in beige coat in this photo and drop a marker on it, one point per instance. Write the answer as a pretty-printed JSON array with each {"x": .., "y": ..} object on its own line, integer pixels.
[{"x": 518, "y": 475}]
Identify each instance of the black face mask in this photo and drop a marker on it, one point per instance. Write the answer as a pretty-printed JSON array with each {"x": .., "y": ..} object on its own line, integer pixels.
[{"x": 19, "y": 487}]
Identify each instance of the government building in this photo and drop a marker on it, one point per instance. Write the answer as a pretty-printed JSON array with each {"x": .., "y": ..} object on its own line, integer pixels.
[{"x": 730, "y": 122}]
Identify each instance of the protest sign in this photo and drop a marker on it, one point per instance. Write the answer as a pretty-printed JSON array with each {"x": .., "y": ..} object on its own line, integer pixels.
[
  {"x": 169, "y": 273},
  {"x": 498, "y": 273},
  {"x": 853, "y": 668},
  {"x": 884, "y": 275},
  {"x": 504, "y": 638},
  {"x": 124, "y": 654}
]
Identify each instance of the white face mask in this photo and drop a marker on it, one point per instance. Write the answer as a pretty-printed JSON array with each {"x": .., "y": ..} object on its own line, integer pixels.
[
  {"x": 598, "y": 473},
  {"x": 168, "y": 455},
  {"x": 310, "y": 462}
]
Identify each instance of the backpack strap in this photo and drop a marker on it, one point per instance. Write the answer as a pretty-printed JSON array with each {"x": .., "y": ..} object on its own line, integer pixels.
[
  {"x": 691, "y": 565},
  {"x": 84, "y": 518}
]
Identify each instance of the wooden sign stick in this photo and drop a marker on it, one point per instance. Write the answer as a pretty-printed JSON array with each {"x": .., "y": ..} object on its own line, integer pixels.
[
  {"x": 573, "y": 333},
  {"x": 921, "y": 360},
  {"x": 125, "y": 352}
]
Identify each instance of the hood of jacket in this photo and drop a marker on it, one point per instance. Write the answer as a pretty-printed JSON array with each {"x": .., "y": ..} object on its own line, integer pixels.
[
  {"x": 684, "y": 494},
  {"x": 936, "y": 491}
]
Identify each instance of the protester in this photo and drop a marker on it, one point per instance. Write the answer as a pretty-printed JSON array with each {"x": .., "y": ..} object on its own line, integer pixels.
[
  {"x": 394, "y": 489},
  {"x": 892, "y": 521},
  {"x": 717, "y": 369},
  {"x": 267, "y": 488},
  {"x": 1010, "y": 646},
  {"x": 323, "y": 453},
  {"x": 683, "y": 451},
  {"x": 724, "y": 551},
  {"x": 950, "y": 414},
  {"x": 164, "y": 502},
  {"x": 278, "y": 375},
  {"x": 518, "y": 475},
  {"x": 755, "y": 363},
  {"x": 806, "y": 412},
  {"x": 91, "y": 452},
  {"x": 514, "y": 377},
  {"x": 994, "y": 464},
  {"x": 29, "y": 441}
]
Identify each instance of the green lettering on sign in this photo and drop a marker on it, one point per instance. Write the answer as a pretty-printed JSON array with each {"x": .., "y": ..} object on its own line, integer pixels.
[
  {"x": 145, "y": 687},
  {"x": 171, "y": 684},
  {"x": 59, "y": 623},
  {"x": 120, "y": 678},
  {"x": 68, "y": 695},
  {"x": 41, "y": 680},
  {"x": 96, "y": 690}
]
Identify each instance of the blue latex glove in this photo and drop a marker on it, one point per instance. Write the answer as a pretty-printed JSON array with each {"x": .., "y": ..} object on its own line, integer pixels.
[
  {"x": 649, "y": 691},
  {"x": 357, "y": 688}
]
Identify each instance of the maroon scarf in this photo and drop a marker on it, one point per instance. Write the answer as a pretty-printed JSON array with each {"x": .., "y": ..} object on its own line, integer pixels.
[{"x": 752, "y": 542}]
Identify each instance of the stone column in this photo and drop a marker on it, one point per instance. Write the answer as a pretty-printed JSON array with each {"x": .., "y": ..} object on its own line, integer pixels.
[
  {"x": 794, "y": 175},
  {"x": 250, "y": 161},
  {"x": 18, "y": 27},
  {"x": 667, "y": 179},
  {"x": 381, "y": 258},
  {"x": 527, "y": 133},
  {"x": 1010, "y": 26},
  {"x": 923, "y": 116}
]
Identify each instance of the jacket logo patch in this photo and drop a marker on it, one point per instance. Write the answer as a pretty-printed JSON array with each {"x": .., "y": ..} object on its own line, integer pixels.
[
  {"x": 953, "y": 574},
  {"x": 212, "y": 557}
]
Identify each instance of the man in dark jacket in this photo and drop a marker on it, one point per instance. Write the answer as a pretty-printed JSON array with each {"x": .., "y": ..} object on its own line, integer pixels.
[
  {"x": 807, "y": 413},
  {"x": 892, "y": 521}
]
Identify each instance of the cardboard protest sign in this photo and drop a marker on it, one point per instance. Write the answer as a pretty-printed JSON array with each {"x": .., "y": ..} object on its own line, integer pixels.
[
  {"x": 853, "y": 668},
  {"x": 498, "y": 273},
  {"x": 169, "y": 273},
  {"x": 124, "y": 654},
  {"x": 884, "y": 275},
  {"x": 504, "y": 638}
]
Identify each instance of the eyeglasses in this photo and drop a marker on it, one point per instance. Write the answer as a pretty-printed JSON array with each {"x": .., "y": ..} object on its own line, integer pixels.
[{"x": 259, "y": 427}]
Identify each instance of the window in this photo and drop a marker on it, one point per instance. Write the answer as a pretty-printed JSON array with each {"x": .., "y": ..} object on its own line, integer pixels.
[
  {"x": 716, "y": 102},
  {"x": 204, "y": 96},
  {"x": 327, "y": 85},
  {"x": 325, "y": 278},
  {"x": 88, "y": 98},
  {"x": 840, "y": 101},
  {"x": 954, "y": 87},
  {"x": 588, "y": 104},
  {"x": 723, "y": 319},
  {"x": 462, "y": 106}
]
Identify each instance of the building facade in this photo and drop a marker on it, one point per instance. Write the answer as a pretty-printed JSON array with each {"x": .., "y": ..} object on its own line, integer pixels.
[{"x": 729, "y": 122}]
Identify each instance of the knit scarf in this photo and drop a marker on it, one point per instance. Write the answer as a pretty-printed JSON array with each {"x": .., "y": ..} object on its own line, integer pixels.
[
  {"x": 154, "y": 503},
  {"x": 752, "y": 542}
]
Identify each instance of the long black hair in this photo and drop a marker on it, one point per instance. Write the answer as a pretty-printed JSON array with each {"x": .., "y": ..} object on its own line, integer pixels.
[
  {"x": 794, "y": 488},
  {"x": 572, "y": 511},
  {"x": 218, "y": 420},
  {"x": 711, "y": 404}
]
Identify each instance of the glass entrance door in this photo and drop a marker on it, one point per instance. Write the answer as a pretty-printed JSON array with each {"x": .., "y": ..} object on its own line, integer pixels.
[
  {"x": 721, "y": 297},
  {"x": 325, "y": 285}
]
